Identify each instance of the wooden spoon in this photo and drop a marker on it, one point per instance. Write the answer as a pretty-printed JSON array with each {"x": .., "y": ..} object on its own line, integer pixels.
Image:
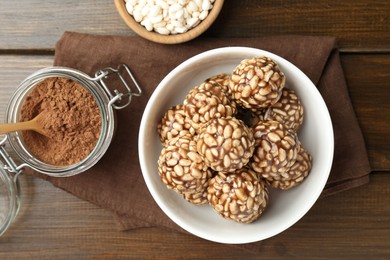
[{"x": 34, "y": 124}]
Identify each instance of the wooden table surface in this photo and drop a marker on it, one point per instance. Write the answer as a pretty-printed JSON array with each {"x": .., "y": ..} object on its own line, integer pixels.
[{"x": 353, "y": 224}]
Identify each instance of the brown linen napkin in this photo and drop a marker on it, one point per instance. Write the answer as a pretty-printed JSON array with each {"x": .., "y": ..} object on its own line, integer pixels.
[{"x": 116, "y": 182}]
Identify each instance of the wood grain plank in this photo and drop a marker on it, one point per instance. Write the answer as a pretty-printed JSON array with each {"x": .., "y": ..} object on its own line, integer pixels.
[
  {"x": 368, "y": 77},
  {"x": 55, "y": 225},
  {"x": 358, "y": 24},
  {"x": 34, "y": 24}
]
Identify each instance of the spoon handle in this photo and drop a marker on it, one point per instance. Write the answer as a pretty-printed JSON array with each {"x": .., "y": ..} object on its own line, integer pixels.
[{"x": 13, "y": 127}]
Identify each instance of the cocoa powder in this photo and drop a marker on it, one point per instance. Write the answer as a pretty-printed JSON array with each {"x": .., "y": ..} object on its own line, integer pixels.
[{"x": 70, "y": 117}]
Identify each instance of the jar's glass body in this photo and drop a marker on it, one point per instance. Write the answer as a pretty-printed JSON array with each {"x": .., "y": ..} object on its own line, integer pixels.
[
  {"x": 9, "y": 199},
  {"x": 107, "y": 122}
]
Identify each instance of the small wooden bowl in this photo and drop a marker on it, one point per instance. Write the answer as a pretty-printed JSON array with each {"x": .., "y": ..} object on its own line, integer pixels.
[{"x": 168, "y": 39}]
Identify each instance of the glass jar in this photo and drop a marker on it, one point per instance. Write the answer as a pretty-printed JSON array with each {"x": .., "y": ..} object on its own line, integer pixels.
[{"x": 107, "y": 101}]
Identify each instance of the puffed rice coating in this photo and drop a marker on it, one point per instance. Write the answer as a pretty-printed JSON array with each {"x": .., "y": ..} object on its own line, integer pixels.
[
  {"x": 240, "y": 196},
  {"x": 257, "y": 83}
]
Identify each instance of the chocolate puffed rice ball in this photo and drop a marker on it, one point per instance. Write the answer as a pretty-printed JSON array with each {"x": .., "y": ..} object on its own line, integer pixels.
[
  {"x": 181, "y": 168},
  {"x": 297, "y": 173},
  {"x": 173, "y": 124},
  {"x": 223, "y": 79},
  {"x": 207, "y": 101},
  {"x": 288, "y": 110},
  {"x": 257, "y": 83},
  {"x": 226, "y": 144},
  {"x": 276, "y": 149},
  {"x": 240, "y": 196}
]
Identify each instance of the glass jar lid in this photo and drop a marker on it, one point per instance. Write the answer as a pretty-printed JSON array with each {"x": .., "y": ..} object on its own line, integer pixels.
[{"x": 9, "y": 199}]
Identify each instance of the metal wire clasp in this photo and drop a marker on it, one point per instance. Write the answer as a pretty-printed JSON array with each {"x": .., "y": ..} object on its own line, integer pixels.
[
  {"x": 116, "y": 96},
  {"x": 8, "y": 163}
]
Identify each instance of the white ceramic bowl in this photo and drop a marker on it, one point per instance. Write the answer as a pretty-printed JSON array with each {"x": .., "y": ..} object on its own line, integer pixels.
[{"x": 285, "y": 207}]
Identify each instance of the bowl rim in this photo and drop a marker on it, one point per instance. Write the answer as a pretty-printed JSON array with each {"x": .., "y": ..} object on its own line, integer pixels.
[
  {"x": 142, "y": 139},
  {"x": 173, "y": 38}
]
